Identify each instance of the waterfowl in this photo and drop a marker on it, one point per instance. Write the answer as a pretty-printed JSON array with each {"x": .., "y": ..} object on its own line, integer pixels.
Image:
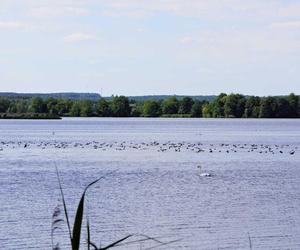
[{"x": 204, "y": 174}]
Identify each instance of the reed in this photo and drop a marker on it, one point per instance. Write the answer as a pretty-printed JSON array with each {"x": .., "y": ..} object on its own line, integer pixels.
[
  {"x": 250, "y": 242},
  {"x": 75, "y": 231}
]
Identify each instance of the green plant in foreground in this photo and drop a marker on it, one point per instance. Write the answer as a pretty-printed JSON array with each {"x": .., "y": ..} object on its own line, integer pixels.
[{"x": 75, "y": 233}]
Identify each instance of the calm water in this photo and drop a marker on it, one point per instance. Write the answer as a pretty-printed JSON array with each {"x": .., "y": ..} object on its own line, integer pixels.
[{"x": 152, "y": 183}]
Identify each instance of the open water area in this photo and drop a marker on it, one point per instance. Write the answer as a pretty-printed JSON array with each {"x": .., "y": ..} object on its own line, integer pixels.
[{"x": 152, "y": 184}]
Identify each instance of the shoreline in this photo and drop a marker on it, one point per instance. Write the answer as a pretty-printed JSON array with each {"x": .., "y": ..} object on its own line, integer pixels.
[{"x": 29, "y": 116}]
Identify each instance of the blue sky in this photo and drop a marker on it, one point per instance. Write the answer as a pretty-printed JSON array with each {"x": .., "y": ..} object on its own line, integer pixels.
[{"x": 141, "y": 47}]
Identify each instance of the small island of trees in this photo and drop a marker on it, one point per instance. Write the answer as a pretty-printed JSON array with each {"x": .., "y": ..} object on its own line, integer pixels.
[{"x": 223, "y": 106}]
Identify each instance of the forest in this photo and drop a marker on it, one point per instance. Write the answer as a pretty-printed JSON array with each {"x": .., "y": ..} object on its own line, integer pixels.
[{"x": 222, "y": 106}]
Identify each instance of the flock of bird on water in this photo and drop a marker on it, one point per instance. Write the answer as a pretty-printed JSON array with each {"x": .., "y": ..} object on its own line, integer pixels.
[{"x": 155, "y": 145}]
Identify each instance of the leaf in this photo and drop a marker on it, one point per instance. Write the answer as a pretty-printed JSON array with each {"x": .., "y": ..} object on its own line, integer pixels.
[
  {"x": 88, "y": 233},
  {"x": 79, "y": 217},
  {"x": 57, "y": 221},
  {"x": 76, "y": 232},
  {"x": 116, "y": 242},
  {"x": 77, "y": 225},
  {"x": 94, "y": 246},
  {"x": 250, "y": 242},
  {"x": 163, "y": 244},
  {"x": 64, "y": 204}
]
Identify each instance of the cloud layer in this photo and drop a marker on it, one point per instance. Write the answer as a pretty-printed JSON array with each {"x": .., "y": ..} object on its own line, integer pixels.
[{"x": 158, "y": 46}]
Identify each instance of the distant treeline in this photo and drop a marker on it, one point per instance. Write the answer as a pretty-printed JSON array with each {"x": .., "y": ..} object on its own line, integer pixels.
[
  {"x": 63, "y": 95},
  {"x": 163, "y": 97},
  {"x": 96, "y": 96},
  {"x": 228, "y": 106}
]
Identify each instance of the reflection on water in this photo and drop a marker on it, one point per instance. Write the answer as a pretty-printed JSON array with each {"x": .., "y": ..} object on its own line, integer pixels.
[{"x": 156, "y": 190}]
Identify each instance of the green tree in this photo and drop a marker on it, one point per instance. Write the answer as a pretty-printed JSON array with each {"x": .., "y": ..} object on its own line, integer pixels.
[
  {"x": 76, "y": 109},
  {"x": 38, "y": 105},
  {"x": 21, "y": 106},
  {"x": 4, "y": 104},
  {"x": 12, "y": 107},
  {"x": 284, "y": 108},
  {"x": 294, "y": 105},
  {"x": 234, "y": 106},
  {"x": 252, "y": 107},
  {"x": 185, "y": 105},
  {"x": 86, "y": 109},
  {"x": 120, "y": 106},
  {"x": 136, "y": 109},
  {"x": 298, "y": 110},
  {"x": 51, "y": 106},
  {"x": 103, "y": 108},
  {"x": 217, "y": 106},
  {"x": 207, "y": 110},
  {"x": 268, "y": 107},
  {"x": 63, "y": 106},
  {"x": 170, "y": 106},
  {"x": 196, "y": 110},
  {"x": 151, "y": 109}
]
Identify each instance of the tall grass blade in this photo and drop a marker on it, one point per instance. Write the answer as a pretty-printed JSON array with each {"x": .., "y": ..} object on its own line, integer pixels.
[
  {"x": 250, "y": 242},
  {"x": 77, "y": 224},
  {"x": 88, "y": 233},
  {"x": 144, "y": 239},
  {"x": 151, "y": 238},
  {"x": 162, "y": 244},
  {"x": 79, "y": 217},
  {"x": 56, "y": 221},
  {"x": 116, "y": 242},
  {"x": 75, "y": 235},
  {"x": 94, "y": 246},
  {"x": 56, "y": 247},
  {"x": 64, "y": 204}
]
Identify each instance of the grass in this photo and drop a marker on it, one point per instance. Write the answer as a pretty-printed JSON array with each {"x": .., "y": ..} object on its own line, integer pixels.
[
  {"x": 75, "y": 230},
  {"x": 250, "y": 242}
]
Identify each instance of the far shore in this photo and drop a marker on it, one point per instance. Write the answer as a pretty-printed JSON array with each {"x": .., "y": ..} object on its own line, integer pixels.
[{"x": 30, "y": 116}]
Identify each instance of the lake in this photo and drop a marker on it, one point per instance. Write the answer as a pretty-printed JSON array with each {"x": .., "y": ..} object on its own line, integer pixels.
[{"x": 152, "y": 185}]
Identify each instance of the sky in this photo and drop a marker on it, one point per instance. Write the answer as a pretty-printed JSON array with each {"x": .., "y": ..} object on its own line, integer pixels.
[{"x": 148, "y": 47}]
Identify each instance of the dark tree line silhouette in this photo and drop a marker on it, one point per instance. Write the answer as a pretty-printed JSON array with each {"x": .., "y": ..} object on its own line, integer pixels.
[{"x": 227, "y": 106}]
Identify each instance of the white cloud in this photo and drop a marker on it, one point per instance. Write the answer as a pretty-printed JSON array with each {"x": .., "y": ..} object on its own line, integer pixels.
[
  {"x": 290, "y": 11},
  {"x": 213, "y": 9},
  {"x": 140, "y": 30},
  {"x": 286, "y": 25},
  {"x": 116, "y": 70},
  {"x": 79, "y": 37},
  {"x": 93, "y": 61},
  {"x": 186, "y": 39},
  {"x": 46, "y": 8},
  {"x": 14, "y": 25},
  {"x": 57, "y": 11},
  {"x": 205, "y": 70}
]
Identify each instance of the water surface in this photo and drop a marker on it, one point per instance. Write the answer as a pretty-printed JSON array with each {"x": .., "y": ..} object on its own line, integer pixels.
[{"x": 152, "y": 183}]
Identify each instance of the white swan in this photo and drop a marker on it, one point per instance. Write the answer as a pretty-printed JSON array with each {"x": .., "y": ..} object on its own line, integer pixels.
[{"x": 203, "y": 174}]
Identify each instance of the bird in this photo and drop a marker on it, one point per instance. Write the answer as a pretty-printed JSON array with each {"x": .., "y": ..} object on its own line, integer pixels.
[{"x": 203, "y": 174}]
